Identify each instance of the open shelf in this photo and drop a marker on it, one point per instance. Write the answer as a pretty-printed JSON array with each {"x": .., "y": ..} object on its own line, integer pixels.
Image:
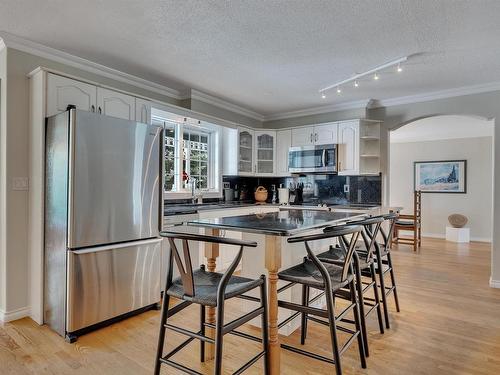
[{"x": 370, "y": 156}]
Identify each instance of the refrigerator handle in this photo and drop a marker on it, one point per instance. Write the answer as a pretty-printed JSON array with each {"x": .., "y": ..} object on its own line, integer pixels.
[
  {"x": 71, "y": 174},
  {"x": 116, "y": 246},
  {"x": 162, "y": 178}
]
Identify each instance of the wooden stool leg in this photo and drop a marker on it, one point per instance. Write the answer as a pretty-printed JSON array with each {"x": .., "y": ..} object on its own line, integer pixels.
[
  {"x": 377, "y": 298},
  {"x": 333, "y": 330},
  {"x": 265, "y": 322},
  {"x": 303, "y": 325},
  {"x": 161, "y": 338},
  {"x": 415, "y": 241},
  {"x": 380, "y": 272},
  {"x": 219, "y": 339},
  {"x": 361, "y": 307},
  {"x": 358, "y": 318},
  {"x": 202, "y": 329},
  {"x": 393, "y": 281}
]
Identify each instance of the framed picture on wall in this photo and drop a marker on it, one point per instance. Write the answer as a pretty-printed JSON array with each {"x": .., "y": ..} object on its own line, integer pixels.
[{"x": 444, "y": 176}]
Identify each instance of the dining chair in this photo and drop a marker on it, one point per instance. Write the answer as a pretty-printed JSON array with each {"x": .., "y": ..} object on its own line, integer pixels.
[
  {"x": 333, "y": 280},
  {"x": 208, "y": 289},
  {"x": 411, "y": 223}
]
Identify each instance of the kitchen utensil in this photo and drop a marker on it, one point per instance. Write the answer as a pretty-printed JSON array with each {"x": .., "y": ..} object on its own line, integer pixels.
[
  {"x": 228, "y": 194},
  {"x": 283, "y": 195}
]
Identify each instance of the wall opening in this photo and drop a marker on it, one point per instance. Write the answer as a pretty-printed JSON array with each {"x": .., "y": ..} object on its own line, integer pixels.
[{"x": 438, "y": 138}]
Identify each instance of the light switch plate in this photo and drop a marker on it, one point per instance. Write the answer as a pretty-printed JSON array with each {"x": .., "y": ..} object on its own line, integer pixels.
[
  {"x": 346, "y": 188},
  {"x": 20, "y": 183}
]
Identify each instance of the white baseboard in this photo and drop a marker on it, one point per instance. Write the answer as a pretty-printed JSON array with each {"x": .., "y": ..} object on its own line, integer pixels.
[
  {"x": 443, "y": 236},
  {"x": 494, "y": 283},
  {"x": 9, "y": 316}
]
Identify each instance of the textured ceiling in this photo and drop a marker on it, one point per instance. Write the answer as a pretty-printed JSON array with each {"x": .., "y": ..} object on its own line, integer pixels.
[{"x": 273, "y": 56}]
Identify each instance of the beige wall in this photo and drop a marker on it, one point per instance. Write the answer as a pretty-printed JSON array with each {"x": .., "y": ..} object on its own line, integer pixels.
[
  {"x": 3, "y": 121},
  {"x": 476, "y": 204}
]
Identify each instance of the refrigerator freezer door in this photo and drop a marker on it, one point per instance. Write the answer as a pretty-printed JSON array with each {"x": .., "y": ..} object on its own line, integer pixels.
[
  {"x": 108, "y": 281},
  {"x": 114, "y": 179}
]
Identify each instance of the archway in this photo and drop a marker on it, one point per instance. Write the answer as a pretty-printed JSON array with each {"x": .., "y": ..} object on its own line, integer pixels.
[{"x": 445, "y": 137}]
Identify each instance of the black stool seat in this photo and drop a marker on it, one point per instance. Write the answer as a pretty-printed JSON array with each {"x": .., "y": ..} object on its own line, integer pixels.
[
  {"x": 335, "y": 254},
  {"x": 206, "y": 284},
  {"x": 306, "y": 273}
]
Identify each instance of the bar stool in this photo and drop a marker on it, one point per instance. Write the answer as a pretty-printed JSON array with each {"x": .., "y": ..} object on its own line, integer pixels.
[
  {"x": 384, "y": 264},
  {"x": 363, "y": 261},
  {"x": 331, "y": 279},
  {"x": 208, "y": 289}
]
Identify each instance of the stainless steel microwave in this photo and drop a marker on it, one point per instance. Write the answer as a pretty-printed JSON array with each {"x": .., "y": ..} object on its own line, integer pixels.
[{"x": 313, "y": 159}]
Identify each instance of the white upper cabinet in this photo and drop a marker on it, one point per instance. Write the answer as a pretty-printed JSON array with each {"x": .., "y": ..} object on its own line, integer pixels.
[
  {"x": 265, "y": 152},
  {"x": 322, "y": 134},
  {"x": 283, "y": 144},
  {"x": 359, "y": 147},
  {"x": 142, "y": 111},
  {"x": 246, "y": 159},
  {"x": 326, "y": 134},
  {"x": 348, "y": 152},
  {"x": 62, "y": 91},
  {"x": 303, "y": 136},
  {"x": 256, "y": 152},
  {"x": 115, "y": 104}
]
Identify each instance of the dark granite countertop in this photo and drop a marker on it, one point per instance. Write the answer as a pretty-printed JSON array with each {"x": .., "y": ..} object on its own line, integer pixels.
[
  {"x": 191, "y": 208},
  {"x": 283, "y": 223}
]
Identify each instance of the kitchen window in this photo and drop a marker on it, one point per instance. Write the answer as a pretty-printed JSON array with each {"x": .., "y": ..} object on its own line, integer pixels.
[{"x": 191, "y": 154}]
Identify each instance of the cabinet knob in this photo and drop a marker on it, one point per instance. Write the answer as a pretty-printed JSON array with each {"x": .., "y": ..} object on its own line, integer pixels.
[
  {"x": 92, "y": 108},
  {"x": 315, "y": 137},
  {"x": 311, "y": 137},
  {"x": 99, "y": 110}
]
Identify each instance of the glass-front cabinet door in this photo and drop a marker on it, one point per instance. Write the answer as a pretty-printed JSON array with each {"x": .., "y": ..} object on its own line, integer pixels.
[
  {"x": 246, "y": 157},
  {"x": 265, "y": 152}
]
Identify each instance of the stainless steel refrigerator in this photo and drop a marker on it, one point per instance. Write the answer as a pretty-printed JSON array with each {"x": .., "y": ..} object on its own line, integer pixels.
[{"x": 103, "y": 209}]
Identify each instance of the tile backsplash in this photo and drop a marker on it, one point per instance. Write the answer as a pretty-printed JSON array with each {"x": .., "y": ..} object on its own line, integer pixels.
[{"x": 329, "y": 189}]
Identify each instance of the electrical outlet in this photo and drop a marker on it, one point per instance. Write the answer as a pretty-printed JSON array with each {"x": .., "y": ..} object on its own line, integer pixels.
[
  {"x": 346, "y": 188},
  {"x": 20, "y": 183}
]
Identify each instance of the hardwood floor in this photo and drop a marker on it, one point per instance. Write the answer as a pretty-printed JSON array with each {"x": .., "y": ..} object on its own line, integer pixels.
[{"x": 449, "y": 324}]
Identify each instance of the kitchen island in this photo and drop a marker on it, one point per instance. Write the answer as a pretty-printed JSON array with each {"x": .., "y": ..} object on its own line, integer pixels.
[{"x": 274, "y": 227}]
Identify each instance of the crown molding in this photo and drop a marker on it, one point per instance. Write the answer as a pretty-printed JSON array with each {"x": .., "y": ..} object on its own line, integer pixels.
[
  {"x": 221, "y": 103},
  {"x": 441, "y": 94},
  {"x": 319, "y": 110},
  {"x": 28, "y": 46}
]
